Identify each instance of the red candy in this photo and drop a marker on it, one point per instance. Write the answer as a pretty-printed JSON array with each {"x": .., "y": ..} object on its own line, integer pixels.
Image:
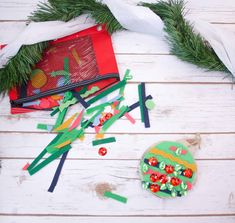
[
  {"x": 154, "y": 188},
  {"x": 154, "y": 177},
  {"x": 163, "y": 179},
  {"x": 169, "y": 169},
  {"x": 188, "y": 173},
  {"x": 152, "y": 161},
  {"x": 102, "y": 151},
  {"x": 175, "y": 181}
]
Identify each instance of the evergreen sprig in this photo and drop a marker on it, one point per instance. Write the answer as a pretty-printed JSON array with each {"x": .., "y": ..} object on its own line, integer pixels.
[{"x": 183, "y": 41}]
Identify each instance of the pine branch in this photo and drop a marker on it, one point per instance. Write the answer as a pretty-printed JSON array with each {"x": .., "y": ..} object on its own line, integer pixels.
[
  {"x": 184, "y": 43},
  {"x": 19, "y": 68},
  {"x": 66, "y": 10}
]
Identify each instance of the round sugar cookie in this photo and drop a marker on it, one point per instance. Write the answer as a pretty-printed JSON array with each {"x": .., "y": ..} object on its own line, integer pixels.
[
  {"x": 168, "y": 169},
  {"x": 38, "y": 78}
]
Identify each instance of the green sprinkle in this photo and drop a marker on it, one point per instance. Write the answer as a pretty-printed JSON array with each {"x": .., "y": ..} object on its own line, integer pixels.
[
  {"x": 103, "y": 141},
  {"x": 145, "y": 168},
  {"x": 150, "y": 104},
  {"x": 162, "y": 165},
  {"x": 115, "y": 196},
  {"x": 145, "y": 185}
]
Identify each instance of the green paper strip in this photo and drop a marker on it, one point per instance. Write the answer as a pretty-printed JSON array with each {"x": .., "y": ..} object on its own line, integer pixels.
[
  {"x": 52, "y": 143},
  {"x": 42, "y": 126},
  {"x": 108, "y": 91},
  {"x": 86, "y": 123},
  {"x": 141, "y": 102},
  {"x": 114, "y": 118},
  {"x": 59, "y": 73},
  {"x": 49, "y": 160},
  {"x": 115, "y": 196},
  {"x": 60, "y": 118},
  {"x": 98, "y": 107},
  {"x": 93, "y": 90},
  {"x": 103, "y": 141},
  {"x": 126, "y": 77},
  {"x": 66, "y": 69}
]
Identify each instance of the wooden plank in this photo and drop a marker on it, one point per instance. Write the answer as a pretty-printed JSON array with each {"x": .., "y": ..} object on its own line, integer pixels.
[
  {"x": 28, "y": 145},
  {"x": 73, "y": 219},
  {"x": 186, "y": 108},
  {"x": 76, "y": 190},
  {"x": 210, "y": 10}
]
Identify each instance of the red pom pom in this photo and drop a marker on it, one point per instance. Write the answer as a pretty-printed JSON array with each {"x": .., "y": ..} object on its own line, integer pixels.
[
  {"x": 154, "y": 188},
  {"x": 175, "y": 181},
  {"x": 152, "y": 161},
  {"x": 169, "y": 169},
  {"x": 154, "y": 177},
  {"x": 188, "y": 173},
  {"x": 163, "y": 179}
]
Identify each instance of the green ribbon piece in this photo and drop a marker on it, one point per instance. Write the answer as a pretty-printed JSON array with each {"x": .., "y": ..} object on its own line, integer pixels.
[
  {"x": 115, "y": 196},
  {"x": 87, "y": 93},
  {"x": 106, "y": 92},
  {"x": 141, "y": 102},
  {"x": 49, "y": 160},
  {"x": 114, "y": 118},
  {"x": 103, "y": 141}
]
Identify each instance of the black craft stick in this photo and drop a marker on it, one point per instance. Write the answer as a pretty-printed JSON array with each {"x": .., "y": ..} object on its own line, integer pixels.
[
  {"x": 57, "y": 172},
  {"x": 80, "y": 99},
  {"x": 146, "y": 113}
]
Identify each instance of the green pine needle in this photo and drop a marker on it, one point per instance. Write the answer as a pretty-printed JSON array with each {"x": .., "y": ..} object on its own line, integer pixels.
[{"x": 184, "y": 43}]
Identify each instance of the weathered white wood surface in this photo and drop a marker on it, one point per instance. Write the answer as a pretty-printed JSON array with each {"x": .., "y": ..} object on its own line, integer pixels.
[{"x": 188, "y": 101}]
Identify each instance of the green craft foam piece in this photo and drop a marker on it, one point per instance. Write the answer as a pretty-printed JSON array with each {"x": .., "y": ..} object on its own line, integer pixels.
[
  {"x": 103, "y": 141},
  {"x": 106, "y": 92},
  {"x": 93, "y": 90},
  {"x": 141, "y": 102},
  {"x": 66, "y": 68},
  {"x": 127, "y": 76},
  {"x": 42, "y": 126},
  {"x": 61, "y": 117},
  {"x": 98, "y": 107},
  {"x": 67, "y": 104},
  {"x": 115, "y": 197},
  {"x": 59, "y": 73},
  {"x": 49, "y": 160},
  {"x": 150, "y": 104},
  {"x": 114, "y": 118}
]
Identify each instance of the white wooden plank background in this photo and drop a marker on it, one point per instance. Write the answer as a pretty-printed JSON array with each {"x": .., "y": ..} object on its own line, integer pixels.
[{"x": 188, "y": 101}]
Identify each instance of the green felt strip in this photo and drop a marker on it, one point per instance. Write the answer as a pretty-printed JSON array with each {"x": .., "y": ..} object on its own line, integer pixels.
[
  {"x": 108, "y": 91},
  {"x": 66, "y": 69},
  {"x": 141, "y": 102},
  {"x": 87, "y": 122},
  {"x": 56, "y": 110},
  {"x": 59, "y": 73},
  {"x": 103, "y": 141},
  {"x": 98, "y": 107},
  {"x": 37, "y": 159},
  {"x": 60, "y": 118},
  {"x": 49, "y": 160},
  {"x": 42, "y": 126},
  {"x": 114, "y": 118},
  {"x": 126, "y": 77},
  {"x": 52, "y": 144},
  {"x": 115, "y": 196}
]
